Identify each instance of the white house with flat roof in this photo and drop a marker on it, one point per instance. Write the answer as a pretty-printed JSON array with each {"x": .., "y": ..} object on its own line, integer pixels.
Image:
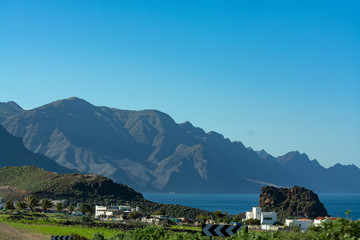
[
  {"x": 266, "y": 218},
  {"x": 303, "y": 223},
  {"x": 110, "y": 211}
]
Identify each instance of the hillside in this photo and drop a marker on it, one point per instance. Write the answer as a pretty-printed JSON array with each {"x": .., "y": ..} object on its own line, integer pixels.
[
  {"x": 148, "y": 151},
  {"x": 18, "y": 182},
  {"x": 72, "y": 186}
]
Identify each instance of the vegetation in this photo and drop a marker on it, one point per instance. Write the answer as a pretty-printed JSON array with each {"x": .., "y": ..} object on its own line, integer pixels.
[
  {"x": 39, "y": 223},
  {"x": 86, "y": 208},
  {"x": 32, "y": 202},
  {"x": 20, "y": 205},
  {"x": 73, "y": 186},
  {"x": 252, "y": 221},
  {"x": 59, "y": 206},
  {"x": 45, "y": 204},
  {"x": 71, "y": 208},
  {"x": 9, "y": 204}
]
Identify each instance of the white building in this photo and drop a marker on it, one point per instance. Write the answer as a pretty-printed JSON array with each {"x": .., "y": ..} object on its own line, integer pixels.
[
  {"x": 303, "y": 223},
  {"x": 109, "y": 211},
  {"x": 254, "y": 214},
  {"x": 266, "y": 218}
]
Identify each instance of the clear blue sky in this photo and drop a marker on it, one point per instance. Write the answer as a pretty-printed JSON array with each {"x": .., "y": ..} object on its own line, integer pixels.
[{"x": 275, "y": 75}]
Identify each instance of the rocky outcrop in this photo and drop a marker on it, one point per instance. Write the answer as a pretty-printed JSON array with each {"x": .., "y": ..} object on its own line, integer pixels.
[{"x": 296, "y": 202}]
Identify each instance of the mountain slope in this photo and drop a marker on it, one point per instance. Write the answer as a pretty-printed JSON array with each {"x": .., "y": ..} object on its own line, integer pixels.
[
  {"x": 148, "y": 151},
  {"x": 13, "y": 153},
  {"x": 72, "y": 186},
  {"x": 8, "y": 109}
]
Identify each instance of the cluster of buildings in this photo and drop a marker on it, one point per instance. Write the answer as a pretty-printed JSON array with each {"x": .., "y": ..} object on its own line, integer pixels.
[
  {"x": 123, "y": 212},
  {"x": 268, "y": 219},
  {"x": 113, "y": 212}
]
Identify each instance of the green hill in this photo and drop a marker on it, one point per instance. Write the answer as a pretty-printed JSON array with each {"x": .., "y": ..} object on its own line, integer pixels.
[{"x": 16, "y": 182}]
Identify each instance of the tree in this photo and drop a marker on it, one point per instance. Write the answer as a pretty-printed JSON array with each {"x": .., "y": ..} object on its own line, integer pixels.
[
  {"x": 9, "y": 204},
  {"x": 347, "y": 213},
  {"x": 202, "y": 218},
  {"x": 252, "y": 221},
  {"x": 218, "y": 215},
  {"x": 133, "y": 215},
  {"x": 71, "y": 208},
  {"x": 32, "y": 202},
  {"x": 85, "y": 208},
  {"x": 20, "y": 205},
  {"x": 45, "y": 204},
  {"x": 59, "y": 206}
]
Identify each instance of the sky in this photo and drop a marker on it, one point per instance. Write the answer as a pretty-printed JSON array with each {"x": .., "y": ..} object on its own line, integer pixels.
[{"x": 275, "y": 75}]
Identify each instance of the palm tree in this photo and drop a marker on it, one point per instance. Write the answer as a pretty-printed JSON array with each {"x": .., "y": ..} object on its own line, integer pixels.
[
  {"x": 45, "y": 204},
  {"x": 59, "y": 206},
  {"x": 32, "y": 202},
  {"x": 85, "y": 207},
  {"x": 71, "y": 208},
  {"x": 20, "y": 205},
  {"x": 9, "y": 204}
]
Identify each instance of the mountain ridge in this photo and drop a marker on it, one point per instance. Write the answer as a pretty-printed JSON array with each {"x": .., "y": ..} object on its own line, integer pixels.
[{"x": 150, "y": 152}]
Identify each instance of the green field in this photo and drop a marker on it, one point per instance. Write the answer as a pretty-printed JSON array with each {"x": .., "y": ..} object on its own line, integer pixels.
[
  {"x": 330, "y": 230},
  {"x": 64, "y": 230}
]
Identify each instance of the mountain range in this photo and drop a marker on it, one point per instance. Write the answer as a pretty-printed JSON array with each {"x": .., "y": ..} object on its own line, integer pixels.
[{"x": 150, "y": 152}]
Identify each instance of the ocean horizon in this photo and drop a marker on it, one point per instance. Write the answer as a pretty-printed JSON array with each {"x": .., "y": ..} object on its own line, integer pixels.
[{"x": 335, "y": 203}]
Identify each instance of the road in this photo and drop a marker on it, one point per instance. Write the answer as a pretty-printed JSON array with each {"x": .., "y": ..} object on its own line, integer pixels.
[{"x": 10, "y": 233}]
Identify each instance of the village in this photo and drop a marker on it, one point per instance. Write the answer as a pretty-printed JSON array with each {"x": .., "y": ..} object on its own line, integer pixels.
[{"x": 255, "y": 220}]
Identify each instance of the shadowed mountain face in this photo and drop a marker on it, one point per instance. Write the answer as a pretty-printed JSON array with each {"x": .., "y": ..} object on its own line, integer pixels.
[
  {"x": 148, "y": 151},
  {"x": 13, "y": 153}
]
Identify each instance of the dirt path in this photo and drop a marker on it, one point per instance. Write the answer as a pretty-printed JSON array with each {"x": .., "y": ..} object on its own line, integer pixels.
[{"x": 10, "y": 233}]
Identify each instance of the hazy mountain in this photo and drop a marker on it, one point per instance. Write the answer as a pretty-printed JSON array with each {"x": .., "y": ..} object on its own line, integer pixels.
[
  {"x": 8, "y": 109},
  {"x": 13, "y": 153},
  {"x": 311, "y": 173},
  {"x": 148, "y": 151}
]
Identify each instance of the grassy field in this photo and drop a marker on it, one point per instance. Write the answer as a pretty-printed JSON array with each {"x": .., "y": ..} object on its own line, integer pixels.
[
  {"x": 186, "y": 227},
  {"x": 62, "y": 230},
  {"x": 54, "y": 229}
]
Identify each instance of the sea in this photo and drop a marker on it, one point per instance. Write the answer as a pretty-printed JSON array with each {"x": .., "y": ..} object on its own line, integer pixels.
[{"x": 335, "y": 203}]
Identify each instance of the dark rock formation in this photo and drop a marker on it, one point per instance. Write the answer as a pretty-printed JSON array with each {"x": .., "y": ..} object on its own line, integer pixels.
[{"x": 296, "y": 202}]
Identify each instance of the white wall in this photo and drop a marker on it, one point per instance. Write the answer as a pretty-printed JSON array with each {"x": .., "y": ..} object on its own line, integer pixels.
[
  {"x": 302, "y": 224},
  {"x": 268, "y": 218},
  {"x": 257, "y": 213}
]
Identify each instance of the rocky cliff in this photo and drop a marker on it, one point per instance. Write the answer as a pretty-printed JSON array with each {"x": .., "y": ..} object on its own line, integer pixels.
[{"x": 296, "y": 202}]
